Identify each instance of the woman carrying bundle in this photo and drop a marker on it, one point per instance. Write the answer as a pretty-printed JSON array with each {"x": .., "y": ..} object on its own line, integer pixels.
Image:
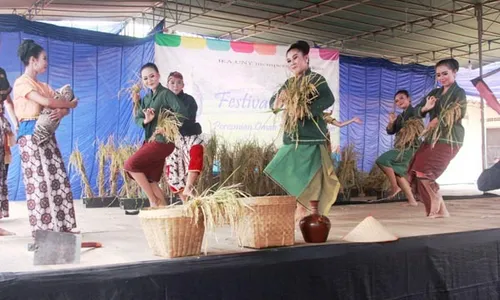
[
  {"x": 394, "y": 163},
  {"x": 303, "y": 166},
  {"x": 48, "y": 191},
  {"x": 146, "y": 165},
  {"x": 444, "y": 137}
]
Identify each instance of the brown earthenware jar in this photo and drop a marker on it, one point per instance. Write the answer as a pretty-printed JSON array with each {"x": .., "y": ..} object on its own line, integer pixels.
[{"x": 315, "y": 227}]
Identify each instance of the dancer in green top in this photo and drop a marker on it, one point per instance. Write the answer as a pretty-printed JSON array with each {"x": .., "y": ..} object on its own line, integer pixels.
[
  {"x": 303, "y": 166},
  {"x": 395, "y": 162},
  {"x": 444, "y": 137}
]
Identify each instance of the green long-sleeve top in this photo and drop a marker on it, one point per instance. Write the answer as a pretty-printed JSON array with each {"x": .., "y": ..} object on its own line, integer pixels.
[
  {"x": 311, "y": 130},
  {"x": 455, "y": 94},
  {"x": 162, "y": 99}
]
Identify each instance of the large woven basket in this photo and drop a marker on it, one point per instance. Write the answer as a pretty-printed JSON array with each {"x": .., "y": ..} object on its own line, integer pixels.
[
  {"x": 171, "y": 234},
  {"x": 269, "y": 223}
]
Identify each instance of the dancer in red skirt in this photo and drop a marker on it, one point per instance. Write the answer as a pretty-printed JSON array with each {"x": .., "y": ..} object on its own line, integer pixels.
[{"x": 146, "y": 165}]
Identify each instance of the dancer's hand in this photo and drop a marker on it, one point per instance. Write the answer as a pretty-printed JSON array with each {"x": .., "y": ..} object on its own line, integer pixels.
[
  {"x": 432, "y": 124},
  {"x": 136, "y": 97},
  {"x": 357, "y": 120},
  {"x": 149, "y": 115},
  {"x": 392, "y": 117},
  {"x": 429, "y": 104},
  {"x": 57, "y": 114}
]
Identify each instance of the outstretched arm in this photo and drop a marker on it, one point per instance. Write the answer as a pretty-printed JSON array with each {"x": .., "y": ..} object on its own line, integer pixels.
[{"x": 345, "y": 123}]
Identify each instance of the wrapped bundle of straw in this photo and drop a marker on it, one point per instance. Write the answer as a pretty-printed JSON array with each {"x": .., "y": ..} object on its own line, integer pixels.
[
  {"x": 411, "y": 131},
  {"x": 168, "y": 126},
  {"x": 448, "y": 116},
  {"x": 298, "y": 94},
  {"x": 76, "y": 160}
]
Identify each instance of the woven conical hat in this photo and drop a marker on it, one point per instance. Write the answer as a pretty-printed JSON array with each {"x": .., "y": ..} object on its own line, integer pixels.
[{"x": 369, "y": 231}]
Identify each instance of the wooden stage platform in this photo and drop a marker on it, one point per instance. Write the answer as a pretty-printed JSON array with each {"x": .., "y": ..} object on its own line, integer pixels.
[{"x": 124, "y": 242}]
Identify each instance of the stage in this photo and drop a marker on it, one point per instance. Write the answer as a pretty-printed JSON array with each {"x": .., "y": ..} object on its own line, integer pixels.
[{"x": 453, "y": 258}]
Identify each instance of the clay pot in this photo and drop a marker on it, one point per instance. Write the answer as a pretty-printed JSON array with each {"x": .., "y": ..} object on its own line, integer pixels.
[{"x": 315, "y": 227}]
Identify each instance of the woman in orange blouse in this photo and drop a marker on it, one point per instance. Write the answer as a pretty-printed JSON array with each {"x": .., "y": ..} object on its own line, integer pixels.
[{"x": 48, "y": 191}]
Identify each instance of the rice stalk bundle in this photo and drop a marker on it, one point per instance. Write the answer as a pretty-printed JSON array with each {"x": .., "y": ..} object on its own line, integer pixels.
[
  {"x": 448, "y": 116},
  {"x": 218, "y": 208},
  {"x": 168, "y": 126},
  {"x": 76, "y": 160},
  {"x": 297, "y": 96},
  {"x": 134, "y": 86},
  {"x": 348, "y": 168},
  {"x": 376, "y": 179},
  {"x": 101, "y": 163},
  {"x": 225, "y": 155},
  {"x": 248, "y": 160},
  {"x": 411, "y": 131},
  {"x": 269, "y": 186}
]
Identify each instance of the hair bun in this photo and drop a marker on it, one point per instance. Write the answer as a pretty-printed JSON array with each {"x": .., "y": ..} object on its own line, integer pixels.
[
  {"x": 304, "y": 46},
  {"x": 24, "y": 48}
]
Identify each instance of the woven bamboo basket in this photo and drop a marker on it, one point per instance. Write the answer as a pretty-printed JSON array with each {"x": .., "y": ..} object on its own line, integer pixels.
[
  {"x": 269, "y": 223},
  {"x": 170, "y": 233}
]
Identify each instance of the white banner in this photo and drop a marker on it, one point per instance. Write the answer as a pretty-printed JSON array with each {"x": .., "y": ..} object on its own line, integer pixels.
[{"x": 232, "y": 82}]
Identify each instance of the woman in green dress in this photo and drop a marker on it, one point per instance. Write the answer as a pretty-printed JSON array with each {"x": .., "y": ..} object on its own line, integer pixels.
[
  {"x": 394, "y": 163},
  {"x": 302, "y": 166}
]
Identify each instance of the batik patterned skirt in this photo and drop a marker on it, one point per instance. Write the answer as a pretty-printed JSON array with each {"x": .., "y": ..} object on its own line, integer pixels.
[
  {"x": 187, "y": 157},
  {"x": 48, "y": 191},
  {"x": 4, "y": 192}
]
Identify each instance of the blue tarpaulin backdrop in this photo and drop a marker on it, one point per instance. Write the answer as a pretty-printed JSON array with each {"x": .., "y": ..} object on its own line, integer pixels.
[{"x": 99, "y": 65}]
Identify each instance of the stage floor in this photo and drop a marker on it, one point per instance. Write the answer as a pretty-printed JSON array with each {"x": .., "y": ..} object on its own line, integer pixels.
[{"x": 124, "y": 242}]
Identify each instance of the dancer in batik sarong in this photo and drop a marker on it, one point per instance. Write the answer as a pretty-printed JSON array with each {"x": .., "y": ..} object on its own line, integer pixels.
[
  {"x": 48, "y": 191},
  {"x": 146, "y": 165},
  {"x": 303, "y": 166},
  {"x": 185, "y": 164},
  {"x": 6, "y": 138},
  {"x": 394, "y": 163},
  {"x": 446, "y": 107}
]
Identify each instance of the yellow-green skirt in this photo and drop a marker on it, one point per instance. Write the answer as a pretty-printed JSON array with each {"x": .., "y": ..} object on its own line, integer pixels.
[{"x": 306, "y": 172}]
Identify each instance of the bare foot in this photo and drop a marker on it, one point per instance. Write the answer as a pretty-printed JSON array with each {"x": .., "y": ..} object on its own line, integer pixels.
[
  {"x": 442, "y": 212},
  {"x": 410, "y": 203},
  {"x": 4, "y": 232},
  {"x": 394, "y": 193},
  {"x": 438, "y": 215}
]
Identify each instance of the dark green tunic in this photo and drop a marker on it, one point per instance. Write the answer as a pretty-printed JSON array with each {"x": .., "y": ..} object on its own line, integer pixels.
[
  {"x": 162, "y": 99},
  {"x": 396, "y": 159},
  {"x": 455, "y": 94},
  {"x": 303, "y": 166}
]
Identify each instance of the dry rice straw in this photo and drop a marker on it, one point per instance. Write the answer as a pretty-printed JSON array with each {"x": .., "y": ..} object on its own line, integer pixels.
[
  {"x": 297, "y": 96},
  {"x": 76, "y": 160},
  {"x": 448, "y": 116},
  {"x": 168, "y": 126},
  {"x": 411, "y": 131},
  {"x": 225, "y": 205}
]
